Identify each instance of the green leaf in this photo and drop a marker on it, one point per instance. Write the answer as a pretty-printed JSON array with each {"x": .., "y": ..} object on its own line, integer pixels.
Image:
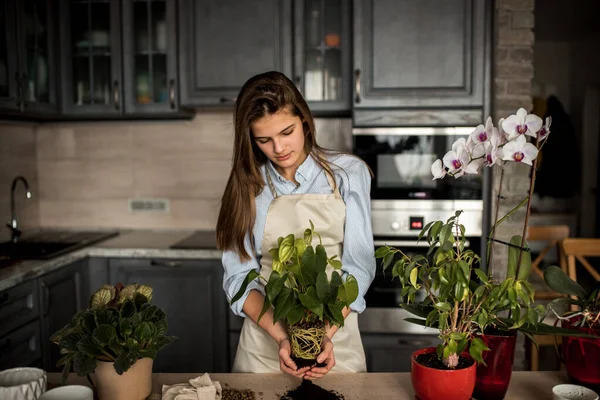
[
  {"x": 274, "y": 285},
  {"x": 465, "y": 269},
  {"x": 309, "y": 263},
  {"x": 266, "y": 307},
  {"x": 139, "y": 300},
  {"x": 296, "y": 313},
  {"x": 252, "y": 274},
  {"x": 300, "y": 245},
  {"x": 128, "y": 309},
  {"x": 475, "y": 352},
  {"x": 84, "y": 365},
  {"x": 348, "y": 292},
  {"x": 311, "y": 301},
  {"x": 148, "y": 353},
  {"x": 560, "y": 282},
  {"x": 336, "y": 311},
  {"x": 413, "y": 277},
  {"x": 382, "y": 251},
  {"x": 143, "y": 331},
  {"x": 104, "y": 334},
  {"x": 443, "y": 306},
  {"x": 387, "y": 260},
  {"x": 336, "y": 282},
  {"x": 274, "y": 252},
  {"x": 124, "y": 362},
  {"x": 117, "y": 349},
  {"x": 335, "y": 264},
  {"x": 125, "y": 328},
  {"x": 286, "y": 251},
  {"x": 88, "y": 346},
  {"x": 308, "y": 237},
  {"x": 435, "y": 230},
  {"x": 321, "y": 258},
  {"x": 283, "y": 304},
  {"x": 322, "y": 286},
  {"x": 417, "y": 321},
  {"x": 513, "y": 256}
]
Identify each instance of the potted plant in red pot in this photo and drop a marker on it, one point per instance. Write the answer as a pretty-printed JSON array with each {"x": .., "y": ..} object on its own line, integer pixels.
[{"x": 581, "y": 355}]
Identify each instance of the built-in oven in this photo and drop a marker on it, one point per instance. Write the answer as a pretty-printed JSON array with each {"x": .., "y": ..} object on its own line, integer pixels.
[{"x": 404, "y": 198}]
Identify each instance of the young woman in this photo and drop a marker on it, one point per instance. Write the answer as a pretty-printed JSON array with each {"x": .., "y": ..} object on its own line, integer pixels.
[{"x": 280, "y": 180}]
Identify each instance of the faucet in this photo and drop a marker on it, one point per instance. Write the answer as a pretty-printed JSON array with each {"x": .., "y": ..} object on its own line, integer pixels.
[{"x": 12, "y": 224}]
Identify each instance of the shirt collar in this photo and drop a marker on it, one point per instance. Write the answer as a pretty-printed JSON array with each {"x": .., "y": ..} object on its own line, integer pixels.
[{"x": 305, "y": 171}]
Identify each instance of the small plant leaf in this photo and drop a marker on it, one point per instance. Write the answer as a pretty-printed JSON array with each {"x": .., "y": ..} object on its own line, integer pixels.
[
  {"x": 253, "y": 274},
  {"x": 322, "y": 286},
  {"x": 560, "y": 282}
]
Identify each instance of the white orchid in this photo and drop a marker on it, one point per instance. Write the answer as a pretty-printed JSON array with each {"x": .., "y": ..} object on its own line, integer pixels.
[
  {"x": 522, "y": 124},
  {"x": 545, "y": 130},
  {"x": 520, "y": 151},
  {"x": 458, "y": 160},
  {"x": 437, "y": 169}
]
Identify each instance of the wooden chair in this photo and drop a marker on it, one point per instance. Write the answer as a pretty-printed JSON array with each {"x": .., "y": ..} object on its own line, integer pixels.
[
  {"x": 553, "y": 235},
  {"x": 577, "y": 249}
]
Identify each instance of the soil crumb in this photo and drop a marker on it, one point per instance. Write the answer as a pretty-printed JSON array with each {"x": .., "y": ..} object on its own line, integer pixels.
[
  {"x": 309, "y": 391},
  {"x": 431, "y": 360},
  {"x": 238, "y": 394}
]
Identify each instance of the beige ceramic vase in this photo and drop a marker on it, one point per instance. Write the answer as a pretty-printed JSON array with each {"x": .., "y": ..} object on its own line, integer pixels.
[{"x": 134, "y": 384}]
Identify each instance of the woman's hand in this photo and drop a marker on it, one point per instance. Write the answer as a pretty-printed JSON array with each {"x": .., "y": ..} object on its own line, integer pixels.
[
  {"x": 286, "y": 364},
  {"x": 326, "y": 357}
]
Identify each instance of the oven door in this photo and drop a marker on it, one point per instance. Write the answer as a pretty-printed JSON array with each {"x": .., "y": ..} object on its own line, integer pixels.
[{"x": 401, "y": 159}]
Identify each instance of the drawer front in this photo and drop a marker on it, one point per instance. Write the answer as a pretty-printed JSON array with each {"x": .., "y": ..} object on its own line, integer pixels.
[
  {"x": 18, "y": 306},
  {"x": 21, "y": 347}
]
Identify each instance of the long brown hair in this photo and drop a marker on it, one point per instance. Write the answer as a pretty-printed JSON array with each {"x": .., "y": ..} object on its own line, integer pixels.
[{"x": 261, "y": 95}]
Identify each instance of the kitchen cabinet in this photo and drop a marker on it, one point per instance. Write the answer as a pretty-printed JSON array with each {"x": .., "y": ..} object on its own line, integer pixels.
[
  {"x": 27, "y": 46},
  {"x": 18, "y": 305},
  {"x": 21, "y": 347},
  {"x": 118, "y": 59},
  {"x": 421, "y": 58},
  {"x": 322, "y": 54},
  {"x": 191, "y": 294},
  {"x": 393, "y": 352},
  {"x": 224, "y": 42},
  {"x": 60, "y": 300}
]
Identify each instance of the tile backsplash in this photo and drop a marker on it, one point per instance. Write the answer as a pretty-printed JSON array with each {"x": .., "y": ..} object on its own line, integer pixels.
[{"x": 83, "y": 175}]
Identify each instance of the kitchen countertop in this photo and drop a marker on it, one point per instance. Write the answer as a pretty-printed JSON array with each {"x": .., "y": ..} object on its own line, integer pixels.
[
  {"x": 129, "y": 243},
  {"x": 381, "y": 386}
]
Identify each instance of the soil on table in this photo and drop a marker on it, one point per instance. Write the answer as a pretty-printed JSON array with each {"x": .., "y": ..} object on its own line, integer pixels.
[
  {"x": 431, "y": 360},
  {"x": 238, "y": 394},
  {"x": 309, "y": 391}
]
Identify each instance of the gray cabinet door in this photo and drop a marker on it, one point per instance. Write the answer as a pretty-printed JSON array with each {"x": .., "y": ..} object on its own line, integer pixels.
[
  {"x": 60, "y": 301},
  {"x": 420, "y": 53},
  {"x": 10, "y": 89},
  {"x": 18, "y": 306},
  {"x": 222, "y": 43},
  {"x": 21, "y": 347},
  {"x": 392, "y": 353},
  {"x": 191, "y": 294}
]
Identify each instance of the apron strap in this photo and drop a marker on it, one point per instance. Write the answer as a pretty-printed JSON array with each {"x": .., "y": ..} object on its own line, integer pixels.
[{"x": 330, "y": 179}]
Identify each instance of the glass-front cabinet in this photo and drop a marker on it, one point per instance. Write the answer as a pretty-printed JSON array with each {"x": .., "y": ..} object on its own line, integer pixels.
[
  {"x": 91, "y": 57},
  {"x": 149, "y": 55},
  {"x": 322, "y": 53},
  {"x": 27, "y": 76},
  {"x": 119, "y": 57}
]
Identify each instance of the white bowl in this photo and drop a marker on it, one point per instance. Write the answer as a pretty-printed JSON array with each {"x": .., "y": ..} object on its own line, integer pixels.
[
  {"x": 70, "y": 392},
  {"x": 22, "y": 383},
  {"x": 573, "y": 392}
]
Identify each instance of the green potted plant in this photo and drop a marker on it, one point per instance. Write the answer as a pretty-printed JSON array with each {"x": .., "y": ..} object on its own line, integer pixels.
[
  {"x": 581, "y": 354},
  {"x": 117, "y": 337},
  {"x": 302, "y": 294},
  {"x": 472, "y": 311}
]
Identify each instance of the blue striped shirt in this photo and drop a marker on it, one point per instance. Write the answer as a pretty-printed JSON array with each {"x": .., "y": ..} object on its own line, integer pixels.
[{"x": 354, "y": 183}]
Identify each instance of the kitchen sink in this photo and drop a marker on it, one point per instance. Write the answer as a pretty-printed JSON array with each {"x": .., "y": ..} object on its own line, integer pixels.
[{"x": 49, "y": 244}]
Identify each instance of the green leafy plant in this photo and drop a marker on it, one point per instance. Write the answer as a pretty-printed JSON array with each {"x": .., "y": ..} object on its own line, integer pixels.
[
  {"x": 119, "y": 326},
  {"x": 461, "y": 300},
  {"x": 301, "y": 293},
  {"x": 587, "y": 302}
]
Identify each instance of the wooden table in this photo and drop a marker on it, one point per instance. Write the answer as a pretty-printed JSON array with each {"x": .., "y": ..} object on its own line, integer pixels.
[{"x": 396, "y": 386}]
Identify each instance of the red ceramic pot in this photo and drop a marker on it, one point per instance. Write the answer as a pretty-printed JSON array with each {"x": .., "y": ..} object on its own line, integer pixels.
[
  {"x": 435, "y": 384},
  {"x": 582, "y": 356},
  {"x": 493, "y": 378}
]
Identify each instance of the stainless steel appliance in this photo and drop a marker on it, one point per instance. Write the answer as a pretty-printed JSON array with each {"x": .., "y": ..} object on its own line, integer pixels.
[{"x": 404, "y": 198}]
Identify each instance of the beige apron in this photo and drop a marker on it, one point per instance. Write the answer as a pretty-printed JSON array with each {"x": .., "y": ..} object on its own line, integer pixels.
[{"x": 258, "y": 352}]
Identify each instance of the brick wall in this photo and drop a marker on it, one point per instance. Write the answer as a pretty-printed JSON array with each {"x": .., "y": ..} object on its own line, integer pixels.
[{"x": 513, "y": 73}]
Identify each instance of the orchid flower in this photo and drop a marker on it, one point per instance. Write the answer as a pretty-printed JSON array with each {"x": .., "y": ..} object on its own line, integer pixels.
[
  {"x": 522, "y": 124},
  {"x": 437, "y": 169},
  {"x": 458, "y": 160},
  {"x": 545, "y": 130},
  {"x": 520, "y": 151}
]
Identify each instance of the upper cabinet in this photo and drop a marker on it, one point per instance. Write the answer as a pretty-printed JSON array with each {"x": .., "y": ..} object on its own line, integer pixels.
[
  {"x": 322, "y": 56},
  {"x": 421, "y": 54},
  {"x": 222, "y": 43},
  {"x": 118, "y": 58},
  {"x": 27, "y": 74}
]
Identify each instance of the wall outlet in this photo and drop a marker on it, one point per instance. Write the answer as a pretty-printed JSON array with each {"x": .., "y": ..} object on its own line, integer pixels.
[{"x": 149, "y": 205}]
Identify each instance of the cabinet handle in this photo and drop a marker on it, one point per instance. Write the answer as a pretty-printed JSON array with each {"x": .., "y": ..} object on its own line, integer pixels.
[
  {"x": 46, "y": 294},
  {"x": 116, "y": 95},
  {"x": 3, "y": 297},
  {"x": 357, "y": 85},
  {"x": 5, "y": 345},
  {"x": 228, "y": 99},
  {"x": 169, "y": 264},
  {"x": 172, "y": 93}
]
